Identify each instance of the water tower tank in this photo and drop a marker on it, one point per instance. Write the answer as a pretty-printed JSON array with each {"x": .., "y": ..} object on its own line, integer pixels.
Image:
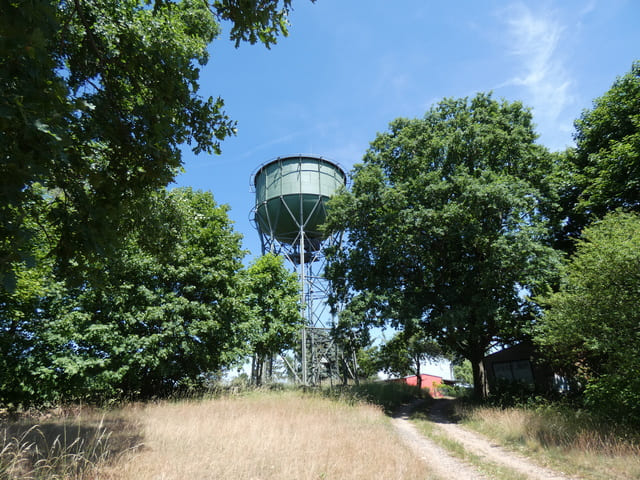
[{"x": 291, "y": 193}]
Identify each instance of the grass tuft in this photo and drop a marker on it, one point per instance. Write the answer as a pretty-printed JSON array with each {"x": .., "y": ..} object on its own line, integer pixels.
[
  {"x": 561, "y": 437},
  {"x": 60, "y": 445}
]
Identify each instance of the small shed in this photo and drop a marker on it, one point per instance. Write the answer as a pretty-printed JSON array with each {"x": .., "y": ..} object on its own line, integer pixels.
[{"x": 519, "y": 364}]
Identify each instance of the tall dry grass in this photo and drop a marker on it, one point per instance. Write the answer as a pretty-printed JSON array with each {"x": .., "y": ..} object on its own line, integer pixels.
[
  {"x": 564, "y": 439},
  {"x": 72, "y": 443},
  {"x": 281, "y": 435}
]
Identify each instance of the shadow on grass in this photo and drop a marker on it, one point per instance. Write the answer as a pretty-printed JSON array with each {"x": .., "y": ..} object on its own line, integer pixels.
[{"x": 64, "y": 448}]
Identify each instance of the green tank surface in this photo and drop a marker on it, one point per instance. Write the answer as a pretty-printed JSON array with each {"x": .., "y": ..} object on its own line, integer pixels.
[{"x": 291, "y": 195}]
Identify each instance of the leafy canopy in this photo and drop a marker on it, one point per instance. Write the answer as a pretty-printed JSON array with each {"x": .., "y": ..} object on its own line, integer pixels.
[
  {"x": 608, "y": 148},
  {"x": 602, "y": 173},
  {"x": 97, "y": 99},
  {"x": 160, "y": 315},
  {"x": 589, "y": 328},
  {"x": 405, "y": 353},
  {"x": 447, "y": 222},
  {"x": 108, "y": 284}
]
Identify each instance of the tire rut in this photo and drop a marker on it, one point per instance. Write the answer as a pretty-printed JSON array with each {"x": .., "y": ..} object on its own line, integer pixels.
[
  {"x": 445, "y": 466},
  {"x": 485, "y": 449},
  {"x": 436, "y": 458}
]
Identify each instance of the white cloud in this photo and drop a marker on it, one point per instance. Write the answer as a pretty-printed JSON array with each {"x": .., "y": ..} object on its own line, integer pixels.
[
  {"x": 535, "y": 40},
  {"x": 588, "y": 8}
]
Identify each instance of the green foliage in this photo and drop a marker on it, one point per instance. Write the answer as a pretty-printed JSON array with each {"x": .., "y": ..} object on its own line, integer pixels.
[
  {"x": 463, "y": 372},
  {"x": 510, "y": 393},
  {"x": 608, "y": 148},
  {"x": 260, "y": 21},
  {"x": 97, "y": 101},
  {"x": 108, "y": 285},
  {"x": 456, "y": 391},
  {"x": 602, "y": 173},
  {"x": 98, "y": 98},
  {"x": 389, "y": 395},
  {"x": 615, "y": 396},
  {"x": 368, "y": 359},
  {"x": 155, "y": 318},
  {"x": 448, "y": 222},
  {"x": 590, "y": 327},
  {"x": 274, "y": 301},
  {"x": 405, "y": 353},
  {"x": 351, "y": 333}
]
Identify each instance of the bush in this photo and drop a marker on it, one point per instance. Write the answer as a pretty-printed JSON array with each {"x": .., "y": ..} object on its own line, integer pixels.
[
  {"x": 589, "y": 329},
  {"x": 389, "y": 395},
  {"x": 615, "y": 397},
  {"x": 457, "y": 391},
  {"x": 507, "y": 393}
]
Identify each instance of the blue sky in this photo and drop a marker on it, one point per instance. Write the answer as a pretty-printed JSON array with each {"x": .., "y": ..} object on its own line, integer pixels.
[{"x": 349, "y": 67}]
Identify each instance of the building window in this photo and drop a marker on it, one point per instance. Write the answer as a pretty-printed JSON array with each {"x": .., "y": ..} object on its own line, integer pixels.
[{"x": 515, "y": 371}]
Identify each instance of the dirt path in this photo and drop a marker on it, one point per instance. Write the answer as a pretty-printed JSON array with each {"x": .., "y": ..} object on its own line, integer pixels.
[
  {"x": 448, "y": 467},
  {"x": 445, "y": 466}
]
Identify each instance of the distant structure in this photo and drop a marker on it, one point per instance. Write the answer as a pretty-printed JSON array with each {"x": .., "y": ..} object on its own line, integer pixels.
[
  {"x": 427, "y": 382},
  {"x": 291, "y": 195}
]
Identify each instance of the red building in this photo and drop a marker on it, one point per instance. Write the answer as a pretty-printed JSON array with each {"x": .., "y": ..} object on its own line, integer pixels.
[{"x": 430, "y": 382}]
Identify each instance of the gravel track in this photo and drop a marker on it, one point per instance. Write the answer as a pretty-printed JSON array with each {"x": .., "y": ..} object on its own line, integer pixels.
[
  {"x": 437, "y": 459},
  {"x": 448, "y": 467}
]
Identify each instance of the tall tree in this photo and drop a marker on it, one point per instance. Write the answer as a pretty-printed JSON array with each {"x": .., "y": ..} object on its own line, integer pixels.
[
  {"x": 602, "y": 173},
  {"x": 447, "y": 223},
  {"x": 608, "y": 148},
  {"x": 157, "y": 317},
  {"x": 97, "y": 98},
  {"x": 589, "y": 328},
  {"x": 274, "y": 300}
]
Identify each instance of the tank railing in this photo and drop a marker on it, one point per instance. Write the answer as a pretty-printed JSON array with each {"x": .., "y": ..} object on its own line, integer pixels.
[{"x": 256, "y": 171}]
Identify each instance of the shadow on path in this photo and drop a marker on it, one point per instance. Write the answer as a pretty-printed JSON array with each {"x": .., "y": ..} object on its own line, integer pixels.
[{"x": 442, "y": 411}]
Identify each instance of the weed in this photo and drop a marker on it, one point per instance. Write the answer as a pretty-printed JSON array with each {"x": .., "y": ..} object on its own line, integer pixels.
[{"x": 568, "y": 438}]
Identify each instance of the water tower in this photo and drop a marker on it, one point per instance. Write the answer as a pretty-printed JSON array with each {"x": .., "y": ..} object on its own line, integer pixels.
[{"x": 291, "y": 196}]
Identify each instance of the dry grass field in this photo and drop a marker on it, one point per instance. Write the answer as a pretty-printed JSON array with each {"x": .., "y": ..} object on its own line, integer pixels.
[
  {"x": 277, "y": 435},
  {"x": 562, "y": 440},
  {"x": 284, "y": 435}
]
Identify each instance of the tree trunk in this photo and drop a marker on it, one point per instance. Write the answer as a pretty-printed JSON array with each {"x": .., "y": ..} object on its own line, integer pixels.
[
  {"x": 253, "y": 369},
  {"x": 258, "y": 370},
  {"x": 480, "y": 384},
  {"x": 418, "y": 375}
]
